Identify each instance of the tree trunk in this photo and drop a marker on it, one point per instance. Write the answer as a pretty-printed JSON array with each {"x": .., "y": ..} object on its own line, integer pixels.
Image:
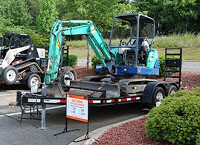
[{"x": 88, "y": 55}]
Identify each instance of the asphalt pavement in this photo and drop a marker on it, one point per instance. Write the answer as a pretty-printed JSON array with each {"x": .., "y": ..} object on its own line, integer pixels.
[
  {"x": 29, "y": 132},
  {"x": 191, "y": 66}
]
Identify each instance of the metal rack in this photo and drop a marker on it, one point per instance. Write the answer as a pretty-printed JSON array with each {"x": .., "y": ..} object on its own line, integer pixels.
[{"x": 173, "y": 64}]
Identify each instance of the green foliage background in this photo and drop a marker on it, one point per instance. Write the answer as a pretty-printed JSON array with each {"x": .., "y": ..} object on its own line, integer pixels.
[{"x": 36, "y": 17}]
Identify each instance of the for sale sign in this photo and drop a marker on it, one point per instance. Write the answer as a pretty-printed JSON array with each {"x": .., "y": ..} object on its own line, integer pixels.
[{"x": 77, "y": 108}]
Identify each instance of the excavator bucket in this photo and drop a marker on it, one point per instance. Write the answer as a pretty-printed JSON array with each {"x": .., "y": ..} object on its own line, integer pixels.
[
  {"x": 55, "y": 90},
  {"x": 94, "y": 89}
]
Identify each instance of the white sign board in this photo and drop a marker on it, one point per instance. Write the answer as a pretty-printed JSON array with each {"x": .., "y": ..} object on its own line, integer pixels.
[
  {"x": 77, "y": 108},
  {"x": 34, "y": 89}
]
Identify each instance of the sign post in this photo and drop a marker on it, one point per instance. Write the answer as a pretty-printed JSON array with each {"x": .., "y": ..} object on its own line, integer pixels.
[{"x": 77, "y": 109}]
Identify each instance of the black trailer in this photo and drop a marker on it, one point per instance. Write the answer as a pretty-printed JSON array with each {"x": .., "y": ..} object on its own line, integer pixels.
[{"x": 147, "y": 91}]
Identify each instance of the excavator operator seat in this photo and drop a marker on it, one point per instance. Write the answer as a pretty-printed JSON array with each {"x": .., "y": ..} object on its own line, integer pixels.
[
  {"x": 143, "y": 52},
  {"x": 129, "y": 57},
  {"x": 145, "y": 45}
]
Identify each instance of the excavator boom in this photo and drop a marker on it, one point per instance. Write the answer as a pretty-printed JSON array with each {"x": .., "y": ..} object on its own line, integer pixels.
[{"x": 83, "y": 27}]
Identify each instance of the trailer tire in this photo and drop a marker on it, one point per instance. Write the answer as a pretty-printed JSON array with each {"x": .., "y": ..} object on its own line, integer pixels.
[
  {"x": 69, "y": 74},
  {"x": 157, "y": 97},
  {"x": 34, "y": 79},
  {"x": 171, "y": 89},
  {"x": 10, "y": 75}
]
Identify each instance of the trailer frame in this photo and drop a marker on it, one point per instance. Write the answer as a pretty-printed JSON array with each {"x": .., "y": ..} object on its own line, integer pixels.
[{"x": 147, "y": 96}]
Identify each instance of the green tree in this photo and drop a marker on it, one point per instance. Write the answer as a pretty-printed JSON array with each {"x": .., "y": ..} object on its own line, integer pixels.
[
  {"x": 1, "y": 24},
  {"x": 180, "y": 13},
  {"x": 33, "y": 9},
  {"x": 15, "y": 12},
  {"x": 47, "y": 16},
  {"x": 173, "y": 16},
  {"x": 101, "y": 12}
]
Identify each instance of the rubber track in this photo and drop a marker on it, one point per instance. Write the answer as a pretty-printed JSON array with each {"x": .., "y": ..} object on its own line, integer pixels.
[{"x": 28, "y": 65}]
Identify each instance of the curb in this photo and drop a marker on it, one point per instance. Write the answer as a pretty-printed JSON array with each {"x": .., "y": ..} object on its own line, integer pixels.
[
  {"x": 191, "y": 60},
  {"x": 95, "y": 134}
]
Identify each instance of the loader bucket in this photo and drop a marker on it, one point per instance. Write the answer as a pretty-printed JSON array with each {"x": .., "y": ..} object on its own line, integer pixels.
[
  {"x": 55, "y": 90},
  {"x": 94, "y": 89}
]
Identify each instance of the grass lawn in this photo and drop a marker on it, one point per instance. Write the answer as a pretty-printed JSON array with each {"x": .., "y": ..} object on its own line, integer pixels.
[
  {"x": 188, "y": 53},
  {"x": 189, "y": 42}
]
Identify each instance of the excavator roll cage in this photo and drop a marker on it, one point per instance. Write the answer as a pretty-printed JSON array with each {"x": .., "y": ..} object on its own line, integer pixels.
[{"x": 134, "y": 39}]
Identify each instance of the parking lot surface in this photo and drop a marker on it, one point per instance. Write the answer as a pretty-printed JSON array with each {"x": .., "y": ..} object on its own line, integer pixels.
[{"x": 29, "y": 132}]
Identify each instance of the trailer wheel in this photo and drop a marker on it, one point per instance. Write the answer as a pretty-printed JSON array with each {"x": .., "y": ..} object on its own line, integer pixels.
[
  {"x": 10, "y": 75},
  {"x": 69, "y": 74},
  {"x": 158, "y": 96},
  {"x": 34, "y": 79},
  {"x": 172, "y": 89}
]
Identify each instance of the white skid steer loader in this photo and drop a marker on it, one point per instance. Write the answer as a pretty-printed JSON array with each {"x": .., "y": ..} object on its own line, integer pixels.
[{"x": 20, "y": 61}]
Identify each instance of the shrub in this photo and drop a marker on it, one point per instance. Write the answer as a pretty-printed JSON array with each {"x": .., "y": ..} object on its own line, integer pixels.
[
  {"x": 177, "y": 119},
  {"x": 162, "y": 65},
  {"x": 72, "y": 60},
  {"x": 198, "y": 140},
  {"x": 95, "y": 60}
]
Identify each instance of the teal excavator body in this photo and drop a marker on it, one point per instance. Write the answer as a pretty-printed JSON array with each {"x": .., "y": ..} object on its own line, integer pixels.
[
  {"x": 87, "y": 28},
  {"x": 131, "y": 56}
]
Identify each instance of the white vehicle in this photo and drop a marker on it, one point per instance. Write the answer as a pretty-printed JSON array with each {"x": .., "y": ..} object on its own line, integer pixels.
[{"x": 20, "y": 61}]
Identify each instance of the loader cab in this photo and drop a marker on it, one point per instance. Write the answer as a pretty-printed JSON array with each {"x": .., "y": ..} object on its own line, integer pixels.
[
  {"x": 131, "y": 40},
  {"x": 13, "y": 40}
]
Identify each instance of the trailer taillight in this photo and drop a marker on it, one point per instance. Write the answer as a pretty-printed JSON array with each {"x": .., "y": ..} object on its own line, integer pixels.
[{"x": 90, "y": 101}]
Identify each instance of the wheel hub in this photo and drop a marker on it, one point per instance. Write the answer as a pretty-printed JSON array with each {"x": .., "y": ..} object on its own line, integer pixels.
[
  {"x": 172, "y": 92},
  {"x": 159, "y": 98},
  {"x": 34, "y": 81},
  {"x": 11, "y": 75},
  {"x": 67, "y": 77}
]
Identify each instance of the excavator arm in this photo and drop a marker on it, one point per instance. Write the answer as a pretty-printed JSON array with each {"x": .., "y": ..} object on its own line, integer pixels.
[{"x": 82, "y": 27}]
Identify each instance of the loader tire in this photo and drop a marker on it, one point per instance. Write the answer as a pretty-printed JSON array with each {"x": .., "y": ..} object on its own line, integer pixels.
[
  {"x": 69, "y": 74},
  {"x": 10, "y": 75},
  {"x": 34, "y": 79}
]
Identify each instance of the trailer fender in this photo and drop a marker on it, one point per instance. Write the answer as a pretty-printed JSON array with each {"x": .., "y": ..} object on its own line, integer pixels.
[
  {"x": 29, "y": 74},
  {"x": 149, "y": 90}
]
